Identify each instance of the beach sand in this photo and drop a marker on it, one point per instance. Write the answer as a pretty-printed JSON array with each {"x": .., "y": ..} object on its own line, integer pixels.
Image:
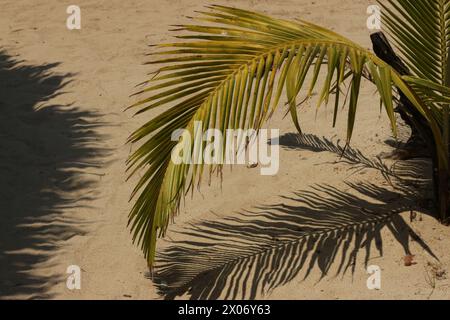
[{"x": 64, "y": 198}]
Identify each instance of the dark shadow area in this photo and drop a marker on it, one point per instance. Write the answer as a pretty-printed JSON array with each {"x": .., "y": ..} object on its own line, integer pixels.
[
  {"x": 410, "y": 176},
  {"x": 354, "y": 157},
  {"x": 256, "y": 251},
  {"x": 44, "y": 149}
]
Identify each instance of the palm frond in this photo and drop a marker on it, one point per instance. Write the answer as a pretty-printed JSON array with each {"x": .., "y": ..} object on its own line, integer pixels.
[
  {"x": 230, "y": 74},
  {"x": 421, "y": 31}
]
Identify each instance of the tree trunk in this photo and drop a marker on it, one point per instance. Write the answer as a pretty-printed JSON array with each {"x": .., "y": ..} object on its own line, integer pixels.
[
  {"x": 422, "y": 136},
  {"x": 444, "y": 201}
]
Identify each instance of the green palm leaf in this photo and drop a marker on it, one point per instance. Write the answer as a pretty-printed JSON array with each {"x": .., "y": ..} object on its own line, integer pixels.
[
  {"x": 421, "y": 31},
  {"x": 230, "y": 74}
]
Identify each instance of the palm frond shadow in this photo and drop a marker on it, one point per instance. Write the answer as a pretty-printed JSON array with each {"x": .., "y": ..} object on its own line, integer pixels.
[
  {"x": 411, "y": 176},
  {"x": 255, "y": 251},
  {"x": 46, "y": 151}
]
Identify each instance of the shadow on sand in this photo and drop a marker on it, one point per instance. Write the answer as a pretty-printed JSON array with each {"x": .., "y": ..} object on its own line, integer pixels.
[
  {"x": 256, "y": 251},
  {"x": 44, "y": 147}
]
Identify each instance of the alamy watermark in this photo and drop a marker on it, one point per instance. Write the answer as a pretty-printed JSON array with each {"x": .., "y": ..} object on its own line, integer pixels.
[
  {"x": 374, "y": 280},
  {"x": 374, "y": 19},
  {"x": 73, "y": 21},
  {"x": 235, "y": 147},
  {"x": 74, "y": 279}
]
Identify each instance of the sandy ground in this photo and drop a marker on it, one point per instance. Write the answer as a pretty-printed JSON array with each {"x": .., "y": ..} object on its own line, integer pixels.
[{"x": 64, "y": 199}]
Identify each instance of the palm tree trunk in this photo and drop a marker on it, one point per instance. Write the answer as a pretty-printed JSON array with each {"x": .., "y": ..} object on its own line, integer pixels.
[
  {"x": 419, "y": 128},
  {"x": 444, "y": 196}
]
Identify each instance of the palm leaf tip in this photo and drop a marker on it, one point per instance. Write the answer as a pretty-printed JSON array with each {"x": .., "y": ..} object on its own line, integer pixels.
[{"x": 230, "y": 74}]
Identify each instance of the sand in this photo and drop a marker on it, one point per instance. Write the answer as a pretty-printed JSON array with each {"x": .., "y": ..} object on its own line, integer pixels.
[{"x": 64, "y": 195}]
